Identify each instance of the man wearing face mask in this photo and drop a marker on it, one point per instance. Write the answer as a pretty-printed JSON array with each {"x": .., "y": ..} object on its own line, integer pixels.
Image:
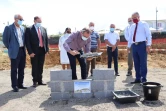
[
  {"x": 95, "y": 45},
  {"x": 13, "y": 39},
  {"x": 37, "y": 47},
  {"x": 140, "y": 40},
  {"x": 73, "y": 45},
  {"x": 130, "y": 55},
  {"x": 112, "y": 40}
]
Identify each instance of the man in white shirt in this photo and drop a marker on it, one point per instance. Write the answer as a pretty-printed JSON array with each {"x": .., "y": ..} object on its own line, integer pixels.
[
  {"x": 112, "y": 39},
  {"x": 130, "y": 55},
  {"x": 140, "y": 40}
]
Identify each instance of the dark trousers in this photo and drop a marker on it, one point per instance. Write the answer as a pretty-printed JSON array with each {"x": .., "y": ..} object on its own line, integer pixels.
[
  {"x": 17, "y": 68},
  {"x": 113, "y": 55},
  {"x": 130, "y": 61},
  {"x": 72, "y": 60},
  {"x": 37, "y": 65},
  {"x": 92, "y": 62},
  {"x": 140, "y": 60}
]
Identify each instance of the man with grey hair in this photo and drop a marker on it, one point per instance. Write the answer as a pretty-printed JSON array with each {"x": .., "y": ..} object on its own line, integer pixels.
[
  {"x": 74, "y": 45},
  {"x": 112, "y": 40},
  {"x": 130, "y": 55},
  {"x": 95, "y": 45},
  {"x": 140, "y": 40},
  {"x": 14, "y": 40}
]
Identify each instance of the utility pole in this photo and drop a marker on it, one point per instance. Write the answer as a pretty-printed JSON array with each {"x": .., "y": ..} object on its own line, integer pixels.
[{"x": 156, "y": 19}]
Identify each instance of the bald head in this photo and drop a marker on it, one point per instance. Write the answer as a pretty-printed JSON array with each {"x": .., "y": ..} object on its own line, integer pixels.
[
  {"x": 18, "y": 19},
  {"x": 112, "y": 26}
]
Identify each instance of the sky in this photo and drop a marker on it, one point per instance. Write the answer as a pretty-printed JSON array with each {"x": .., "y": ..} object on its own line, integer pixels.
[{"x": 58, "y": 14}]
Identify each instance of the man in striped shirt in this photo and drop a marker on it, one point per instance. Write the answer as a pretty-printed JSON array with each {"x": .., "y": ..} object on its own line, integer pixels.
[{"x": 95, "y": 46}]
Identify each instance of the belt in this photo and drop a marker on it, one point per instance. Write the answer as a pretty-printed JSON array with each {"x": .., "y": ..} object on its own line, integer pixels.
[{"x": 136, "y": 43}]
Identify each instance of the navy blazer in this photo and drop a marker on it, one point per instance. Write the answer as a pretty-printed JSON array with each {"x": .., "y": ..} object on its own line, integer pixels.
[{"x": 10, "y": 40}]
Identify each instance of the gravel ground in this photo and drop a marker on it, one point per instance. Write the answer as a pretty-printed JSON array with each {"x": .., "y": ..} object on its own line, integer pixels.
[{"x": 38, "y": 99}]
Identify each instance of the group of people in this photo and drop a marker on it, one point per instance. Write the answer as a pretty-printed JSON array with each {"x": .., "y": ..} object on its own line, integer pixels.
[
  {"x": 17, "y": 40},
  {"x": 72, "y": 46}
]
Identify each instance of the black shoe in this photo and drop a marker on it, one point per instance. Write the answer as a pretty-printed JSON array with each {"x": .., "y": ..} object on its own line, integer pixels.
[
  {"x": 129, "y": 74},
  {"x": 34, "y": 84},
  {"x": 117, "y": 74},
  {"x": 41, "y": 83},
  {"x": 22, "y": 87},
  {"x": 135, "y": 82},
  {"x": 15, "y": 89}
]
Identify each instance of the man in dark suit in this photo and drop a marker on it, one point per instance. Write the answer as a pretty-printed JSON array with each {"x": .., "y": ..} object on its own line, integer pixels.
[
  {"x": 13, "y": 39},
  {"x": 37, "y": 46}
]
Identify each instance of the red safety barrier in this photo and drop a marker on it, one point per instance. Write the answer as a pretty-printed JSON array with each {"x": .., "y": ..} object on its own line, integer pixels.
[{"x": 154, "y": 41}]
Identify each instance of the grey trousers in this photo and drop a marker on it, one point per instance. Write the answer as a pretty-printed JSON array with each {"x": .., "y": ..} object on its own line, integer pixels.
[
  {"x": 93, "y": 63},
  {"x": 130, "y": 60}
]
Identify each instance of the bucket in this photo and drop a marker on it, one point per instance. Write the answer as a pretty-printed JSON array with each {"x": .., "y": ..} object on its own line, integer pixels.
[{"x": 151, "y": 90}]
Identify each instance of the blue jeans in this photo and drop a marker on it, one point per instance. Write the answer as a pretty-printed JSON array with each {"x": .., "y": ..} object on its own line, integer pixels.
[
  {"x": 113, "y": 55},
  {"x": 140, "y": 61}
]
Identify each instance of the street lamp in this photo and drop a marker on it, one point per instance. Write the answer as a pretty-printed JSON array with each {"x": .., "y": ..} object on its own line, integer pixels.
[{"x": 156, "y": 18}]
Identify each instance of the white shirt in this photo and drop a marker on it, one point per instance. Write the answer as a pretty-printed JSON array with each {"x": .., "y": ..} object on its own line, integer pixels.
[
  {"x": 126, "y": 32},
  {"x": 112, "y": 37},
  {"x": 143, "y": 34},
  {"x": 19, "y": 33}
]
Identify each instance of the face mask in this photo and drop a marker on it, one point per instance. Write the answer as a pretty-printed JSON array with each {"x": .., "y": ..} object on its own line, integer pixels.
[
  {"x": 112, "y": 29},
  {"x": 84, "y": 38},
  {"x": 135, "y": 20},
  {"x": 19, "y": 22},
  {"x": 67, "y": 35},
  {"x": 91, "y": 28},
  {"x": 38, "y": 24},
  {"x": 130, "y": 23}
]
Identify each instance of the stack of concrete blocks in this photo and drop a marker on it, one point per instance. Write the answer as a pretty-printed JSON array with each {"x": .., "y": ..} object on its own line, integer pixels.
[{"x": 62, "y": 85}]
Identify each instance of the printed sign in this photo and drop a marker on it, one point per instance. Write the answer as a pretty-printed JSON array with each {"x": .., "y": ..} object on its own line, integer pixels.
[{"x": 82, "y": 87}]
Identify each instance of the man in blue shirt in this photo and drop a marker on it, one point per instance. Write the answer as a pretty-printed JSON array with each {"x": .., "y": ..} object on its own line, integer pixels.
[{"x": 95, "y": 45}]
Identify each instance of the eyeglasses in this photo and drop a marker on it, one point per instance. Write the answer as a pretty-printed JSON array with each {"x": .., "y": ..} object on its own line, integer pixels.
[{"x": 21, "y": 19}]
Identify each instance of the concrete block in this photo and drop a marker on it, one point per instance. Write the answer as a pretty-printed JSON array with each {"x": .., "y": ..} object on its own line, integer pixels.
[
  {"x": 82, "y": 95},
  {"x": 103, "y": 74},
  {"x": 55, "y": 86},
  {"x": 109, "y": 85},
  {"x": 68, "y": 86},
  {"x": 97, "y": 86},
  {"x": 103, "y": 94},
  {"x": 61, "y": 96},
  {"x": 61, "y": 75}
]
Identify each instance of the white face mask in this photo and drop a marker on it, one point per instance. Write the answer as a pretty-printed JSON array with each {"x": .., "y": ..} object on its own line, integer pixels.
[
  {"x": 91, "y": 28},
  {"x": 84, "y": 38}
]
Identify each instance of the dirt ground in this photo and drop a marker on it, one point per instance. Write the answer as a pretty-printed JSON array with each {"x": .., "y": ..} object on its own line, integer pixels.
[
  {"x": 155, "y": 59},
  {"x": 38, "y": 99}
]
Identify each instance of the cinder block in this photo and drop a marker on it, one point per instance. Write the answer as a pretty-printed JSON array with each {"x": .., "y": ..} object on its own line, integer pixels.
[
  {"x": 102, "y": 94},
  {"x": 61, "y": 75},
  {"x": 83, "y": 95},
  {"x": 109, "y": 85},
  {"x": 97, "y": 85},
  {"x": 68, "y": 86},
  {"x": 56, "y": 86},
  {"x": 61, "y": 96},
  {"x": 103, "y": 74}
]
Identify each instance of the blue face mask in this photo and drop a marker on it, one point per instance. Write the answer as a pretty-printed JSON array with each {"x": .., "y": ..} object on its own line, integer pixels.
[
  {"x": 19, "y": 22},
  {"x": 38, "y": 24},
  {"x": 112, "y": 29}
]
